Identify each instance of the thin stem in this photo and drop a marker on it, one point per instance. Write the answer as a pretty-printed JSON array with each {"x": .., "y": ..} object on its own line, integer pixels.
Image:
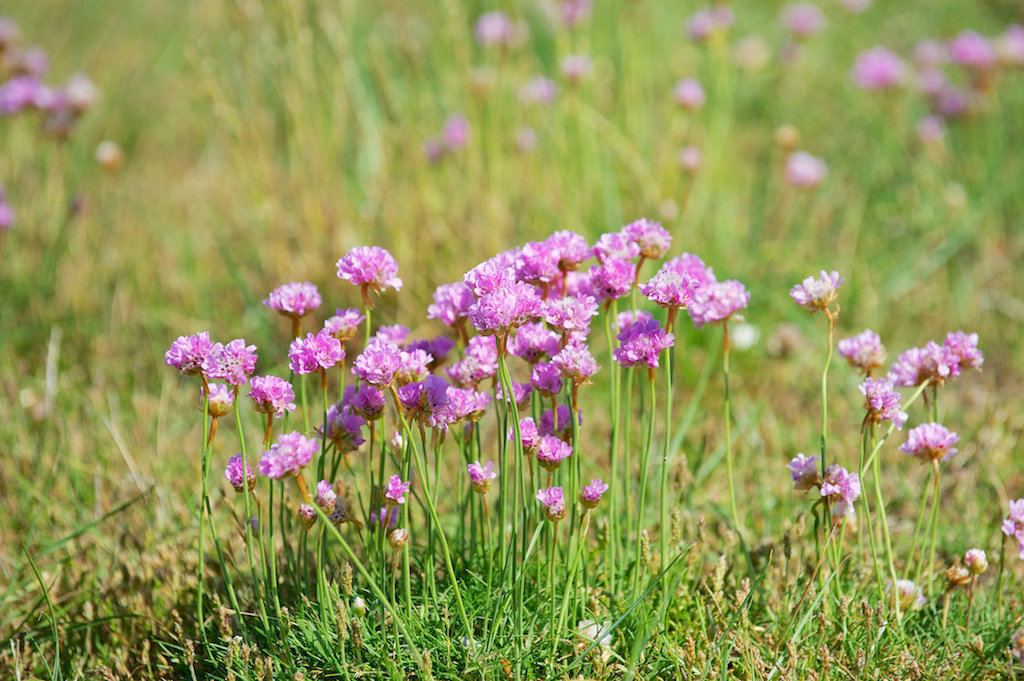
[
  {"x": 643, "y": 479},
  {"x": 204, "y": 469},
  {"x": 935, "y": 519},
  {"x": 669, "y": 366},
  {"x": 728, "y": 432}
]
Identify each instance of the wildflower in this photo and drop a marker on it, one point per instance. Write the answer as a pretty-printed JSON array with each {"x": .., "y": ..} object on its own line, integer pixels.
[
  {"x": 480, "y": 476},
  {"x": 551, "y": 451},
  {"x": 553, "y": 500},
  {"x": 315, "y": 352},
  {"x": 364, "y": 400},
  {"x": 612, "y": 279},
  {"x": 575, "y": 363},
  {"x": 378, "y": 362},
  {"x": 397, "y": 538},
  {"x": 233, "y": 362},
  {"x": 546, "y": 379},
  {"x": 536, "y": 263},
  {"x": 385, "y": 517},
  {"x": 529, "y": 435},
  {"x": 234, "y": 474},
  {"x": 306, "y": 515},
  {"x": 1013, "y": 526},
  {"x": 641, "y": 343},
  {"x": 976, "y": 561},
  {"x": 538, "y": 90},
  {"x": 650, "y": 236},
  {"x": 670, "y": 289},
  {"x": 533, "y": 342},
  {"x": 590, "y": 495},
  {"x": 272, "y": 395},
  {"x": 325, "y": 496},
  {"x": 971, "y": 50},
  {"x": 690, "y": 158},
  {"x": 930, "y": 364},
  {"x": 370, "y": 268},
  {"x": 704, "y": 22},
  {"x": 930, "y": 53},
  {"x": 569, "y": 249},
  {"x": 294, "y": 300},
  {"x": 455, "y": 132},
  {"x": 558, "y": 422},
  {"x": 882, "y": 402},
  {"x": 221, "y": 399},
  {"x": 805, "y": 171},
  {"x": 931, "y": 129},
  {"x": 804, "y": 471},
  {"x": 437, "y": 347},
  {"x": 345, "y": 323},
  {"x": 493, "y": 28},
  {"x": 878, "y": 69},
  {"x": 81, "y": 92},
  {"x": 717, "y": 302},
  {"x": 1010, "y": 45},
  {"x": 427, "y": 402},
  {"x": 396, "y": 490},
  {"x": 506, "y": 308},
  {"x": 413, "y": 366},
  {"x": 520, "y": 393},
  {"x": 576, "y": 67},
  {"x": 930, "y": 441},
  {"x": 570, "y": 315},
  {"x": 691, "y": 266},
  {"x": 908, "y": 594},
  {"x": 626, "y": 319},
  {"x": 344, "y": 429},
  {"x": 451, "y": 303},
  {"x": 689, "y": 94},
  {"x": 842, "y": 488},
  {"x": 962, "y": 349},
  {"x": 615, "y": 245},
  {"x": 290, "y": 454},
  {"x": 393, "y": 333},
  {"x": 817, "y": 294},
  {"x": 802, "y": 19},
  {"x": 957, "y": 575},
  {"x": 864, "y": 351},
  {"x": 187, "y": 353}
]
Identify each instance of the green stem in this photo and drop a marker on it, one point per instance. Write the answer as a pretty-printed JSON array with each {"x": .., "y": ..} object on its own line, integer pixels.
[
  {"x": 204, "y": 466},
  {"x": 1002, "y": 569},
  {"x": 614, "y": 403},
  {"x": 728, "y": 432},
  {"x": 643, "y": 480},
  {"x": 664, "y": 531},
  {"x": 935, "y": 520}
]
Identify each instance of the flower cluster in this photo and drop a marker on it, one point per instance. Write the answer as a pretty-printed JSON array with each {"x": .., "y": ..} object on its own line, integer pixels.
[
  {"x": 817, "y": 294},
  {"x": 480, "y": 476},
  {"x": 930, "y": 441},
  {"x": 553, "y": 500},
  {"x": 290, "y": 454},
  {"x": 934, "y": 363},
  {"x": 294, "y": 300},
  {"x": 1013, "y": 526},
  {"x": 271, "y": 395},
  {"x": 864, "y": 351},
  {"x": 641, "y": 343},
  {"x": 370, "y": 268},
  {"x": 838, "y": 485},
  {"x": 315, "y": 352},
  {"x": 233, "y": 363},
  {"x": 882, "y": 402}
]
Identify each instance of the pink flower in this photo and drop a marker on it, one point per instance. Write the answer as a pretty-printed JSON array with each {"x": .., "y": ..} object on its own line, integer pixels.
[
  {"x": 590, "y": 495},
  {"x": 882, "y": 401},
  {"x": 369, "y": 267},
  {"x": 528, "y": 434},
  {"x": 930, "y": 441},
  {"x": 670, "y": 289},
  {"x": 1013, "y": 526},
  {"x": 233, "y": 363},
  {"x": 689, "y": 94},
  {"x": 272, "y": 395},
  {"x": 378, "y": 362},
  {"x": 315, "y": 353},
  {"x": 290, "y": 454},
  {"x": 575, "y": 363},
  {"x": 962, "y": 349},
  {"x": 538, "y": 90},
  {"x": 505, "y": 309},
  {"x": 451, "y": 303},
  {"x": 480, "y": 476},
  {"x": 650, "y": 236},
  {"x": 864, "y": 351},
  {"x": 703, "y": 23},
  {"x": 641, "y": 343},
  {"x": 569, "y": 249},
  {"x": 973, "y": 51},
  {"x": 626, "y": 319},
  {"x": 803, "y": 19},
  {"x": 1010, "y": 45},
  {"x": 817, "y": 294},
  {"x": 364, "y": 400},
  {"x": 188, "y": 353},
  {"x": 551, "y": 451},
  {"x": 558, "y": 423},
  {"x": 931, "y": 364},
  {"x": 344, "y": 429},
  {"x": 612, "y": 279},
  {"x": 878, "y": 69},
  {"x": 326, "y": 497},
  {"x": 690, "y": 158},
  {"x": 976, "y": 561},
  {"x": 553, "y": 500},
  {"x": 295, "y": 299},
  {"x": 717, "y": 302},
  {"x": 804, "y": 471},
  {"x": 546, "y": 378},
  {"x": 533, "y": 342},
  {"x": 576, "y": 67},
  {"x": 615, "y": 245},
  {"x": 493, "y": 28},
  {"x": 394, "y": 494},
  {"x": 842, "y": 488},
  {"x": 345, "y": 323},
  {"x": 455, "y": 132},
  {"x": 805, "y": 171},
  {"x": 240, "y": 476},
  {"x": 468, "y": 404}
]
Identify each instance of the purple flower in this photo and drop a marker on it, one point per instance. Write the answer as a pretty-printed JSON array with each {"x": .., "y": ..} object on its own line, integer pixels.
[
  {"x": 455, "y": 132},
  {"x": 624, "y": 320},
  {"x": 437, "y": 347},
  {"x": 520, "y": 393},
  {"x": 378, "y": 362},
  {"x": 803, "y": 19},
  {"x": 882, "y": 401},
  {"x": 480, "y": 476},
  {"x": 553, "y": 500},
  {"x": 932, "y": 363},
  {"x": 575, "y": 363},
  {"x": 427, "y": 402},
  {"x": 315, "y": 353},
  {"x": 817, "y": 294},
  {"x": 878, "y": 69},
  {"x": 569, "y": 249},
  {"x": 188, "y": 353},
  {"x": 537, "y": 263},
  {"x": 805, "y": 171},
  {"x": 570, "y": 315},
  {"x": 528, "y": 434},
  {"x": 272, "y": 395},
  {"x": 533, "y": 342},
  {"x": 369, "y": 267},
  {"x": 345, "y": 323},
  {"x": 1013, "y": 526},
  {"x": 290, "y": 454},
  {"x": 365, "y": 400},
  {"x": 650, "y": 236},
  {"x": 295, "y": 299},
  {"x": 590, "y": 495},
  {"x": 493, "y": 28},
  {"x": 572, "y": 12},
  {"x": 641, "y": 343},
  {"x": 962, "y": 349},
  {"x": 689, "y": 94},
  {"x": 233, "y": 362},
  {"x": 1010, "y": 45},
  {"x": 670, "y": 289},
  {"x": 306, "y": 516},
  {"x": 234, "y": 474},
  {"x": 971, "y": 50},
  {"x": 18, "y": 93},
  {"x": 492, "y": 274},
  {"x": 393, "y": 333},
  {"x": 546, "y": 379},
  {"x": 468, "y": 404},
  {"x": 613, "y": 278},
  {"x": 344, "y": 429},
  {"x": 558, "y": 423},
  {"x": 717, "y": 302},
  {"x": 842, "y": 488},
  {"x": 325, "y": 496},
  {"x": 451, "y": 303},
  {"x": 479, "y": 363},
  {"x": 538, "y": 90},
  {"x": 394, "y": 494},
  {"x": 413, "y": 365},
  {"x": 615, "y": 245},
  {"x": 804, "y": 471},
  {"x": 551, "y": 451},
  {"x": 505, "y": 309},
  {"x": 930, "y": 441},
  {"x": 864, "y": 351}
]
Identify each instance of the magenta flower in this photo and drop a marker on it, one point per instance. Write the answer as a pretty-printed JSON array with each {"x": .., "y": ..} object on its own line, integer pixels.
[
  {"x": 394, "y": 494},
  {"x": 451, "y": 303},
  {"x": 221, "y": 399},
  {"x": 369, "y": 268},
  {"x": 973, "y": 51},
  {"x": 505, "y": 309},
  {"x": 569, "y": 248},
  {"x": 572, "y": 12},
  {"x": 1010, "y": 45},
  {"x": 670, "y": 289},
  {"x": 641, "y": 343},
  {"x": 575, "y": 363},
  {"x": 551, "y": 451},
  {"x": 240, "y": 474},
  {"x": 576, "y": 67},
  {"x": 393, "y": 333},
  {"x": 480, "y": 362},
  {"x": 717, "y": 302},
  {"x": 689, "y": 94},
  {"x": 468, "y": 404},
  {"x": 378, "y": 362},
  {"x": 437, "y": 347},
  {"x": 558, "y": 423},
  {"x": 326, "y": 497},
  {"x": 842, "y": 488},
  {"x": 930, "y": 442},
  {"x": 612, "y": 279},
  {"x": 480, "y": 476},
  {"x": 932, "y": 363},
  {"x": 536, "y": 263},
  {"x": 546, "y": 379},
  {"x": 187, "y": 353},
  {"x": 805, "y": 171},
  {"x": 624, "y": 320},
  {"x": 345, "y": 323},
  {"x": 615, "y": 245},
  {"x": 878, "y": 69},
  {"x": 882, "y": 401},
  {"x": 455, "y": 132},
  {"x": 1013, "y": 526},
  {"x": 529, "y": 435},
  {"x": 427, "y": 402},
  {"x": 533, "y": 342},
  {"x": 344, "y": 429},
  {"x": 962, "y": 350},
  {"x": 817, "y": 294},
  {"x": 650, "y": 236},
  {"x": 864, "y": 351},
  {"x": 804, "y": 471},
  {"x": 803, "y": 19},
  {"x": 520, "y": 393},
  {"x": 272, "y": 395},
  {"x": 291, "y": 453},
  {"x": 590, "y": 495},
  {"x": 492, "y": 274},
  {"x": 233, "y": 363},
  {"x": 553, "y": 499},
  {"x": 413, "y": 366},
  {"x": 365, "y": 400},
  {"x": 493, "y": 28},
  {"x": 570, "y": 315},
  {"x": 295, "y": 299},
  {"x": 315, "y": 353}
]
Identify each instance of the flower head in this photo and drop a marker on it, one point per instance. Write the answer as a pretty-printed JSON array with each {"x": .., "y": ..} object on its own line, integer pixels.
[
  {"x": 385, "y": 517},
  {"x": 930, "y": 441},
  {"x": 533, "y": 342},
  {"x": 689, "y": 94},
  {"x": 717, "y": 302},
  {"x": 240, "y": 474},
  {"x": 233, "y": 363},
  {"x": 804, "y": 471},
  {"x": 962, "y": 349},
  {"x": 804, "y": 170},
  {"x": 551, "y": 451},
  {"x": 295, "y": 299},
  {"x": 413, "y": 366},
  {"x": 616, "y": 245},
  {"x": 930, "y": 364},
  {"x": 590, "y": 495},
  {"x": 345, "y": 323},
  {"x": 538, "y": 90},
  {"x": 326, "y": 497},
  {"x": 626, "y": 319},
  {"x": 365, "y": 400},
  {"x": 494, "y": 28},
  {"x": 976, "y": 561},
  {"x": 428, "y": 402},
  {"x": 455, "y": 132},
  {"x": 290, "y": 454},
  {"x": 882, "y": 401},
  {"x": 344, "y": 429},
  {"x": 315, "y": 352},
  {"x": 529, "y": 435},
  {"x": 817, "y": 294},
  {"x": 187, "y": 353},
  {"x": 575, "y": 363},
  {"x": 546, "y": 379},
  {"x": 394, "y": 494},
  {"x": 842, "y": 488},
  {"x": 369, "y": 267},
  {"x": 1013, "y": 526},
  {"x": 221, "y": 399},
  {"x": 878, "y": 69},
  {"x": 641, "y": 343},
  {"x": 650, "y": 236},
  {"x": 306, "y": 516},
  {"x": 272, "y": 395},
  {"x": 803, "y": 19},
  {"x": 569, "y": 249},
  {"x": 468, "y": 404},
  {"x": 570, "y": 315},
  {"x": 451, "y": 303},
  {"x": 972, "y": 50},
  {"x": 558, "y": 422},
  {"x": 864, "y": 351},
  {"x": 553, "y": 499},
  {"x": 378, "y": 362},
  {"x": 612, "y": 279},
  {"x": 704, "y": 22},
  {"x": 480, "y": 476},
  {"x": 505, "y": 308},
  {"x": 670, "y": 289},
  {"x": 908, "y": 594}
]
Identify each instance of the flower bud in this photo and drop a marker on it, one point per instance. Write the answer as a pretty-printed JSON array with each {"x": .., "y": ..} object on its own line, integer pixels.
[
  {"x": 306, "y": 515},
  {"x": 359, "y": 606},
  {"x": 398, "y": 538},
  {"x": 957, "y": 575},
  {"x": 976, "y": 561}
]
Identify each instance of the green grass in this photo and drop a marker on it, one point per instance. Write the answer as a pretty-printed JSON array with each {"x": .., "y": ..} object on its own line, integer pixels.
[{"x": 263, "y": 140}]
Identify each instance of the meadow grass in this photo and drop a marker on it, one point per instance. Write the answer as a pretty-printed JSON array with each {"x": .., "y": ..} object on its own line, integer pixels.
[{"x": 264, "y": 140}]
